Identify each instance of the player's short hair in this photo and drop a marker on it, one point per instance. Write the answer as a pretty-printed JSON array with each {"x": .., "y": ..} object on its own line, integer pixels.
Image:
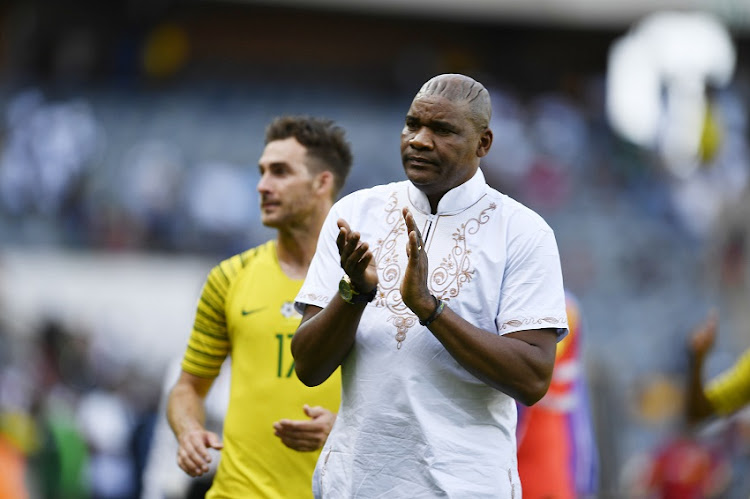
[{"x": 325, "y": 142}]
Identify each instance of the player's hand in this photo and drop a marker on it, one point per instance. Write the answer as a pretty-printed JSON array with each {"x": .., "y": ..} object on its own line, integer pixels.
[
  {"x": 414, "y": 290},
  {"x": 703, "y": 337},
  {"x": 193, "y": 455},
  {"x": 356, "y": 258},
  {"x": 306, "y": 435}
]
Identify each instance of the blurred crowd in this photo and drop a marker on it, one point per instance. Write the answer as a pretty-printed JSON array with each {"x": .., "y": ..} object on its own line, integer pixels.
[
  {"x": 172, "y": 169},
  {"x": 74, "y": 421},
  {"x": 646, "y": 252}
]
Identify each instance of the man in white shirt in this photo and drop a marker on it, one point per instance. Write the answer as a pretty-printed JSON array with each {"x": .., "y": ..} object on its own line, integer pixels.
[{"x": 442, "y": 300}]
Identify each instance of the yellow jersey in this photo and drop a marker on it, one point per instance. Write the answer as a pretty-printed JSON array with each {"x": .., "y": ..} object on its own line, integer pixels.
[
  {"x": 730, "y": 391},
  {"x": 246, "y": 310}
]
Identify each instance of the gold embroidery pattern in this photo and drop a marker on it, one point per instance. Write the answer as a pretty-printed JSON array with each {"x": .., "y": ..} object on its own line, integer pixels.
[
  {"x": 389, "y": 272},
  {"x": 403, "y": 324},
  {"x": 445, "y": 281},
  {"x": 314, "y": 297},
  {"x": 455, "y": 270},
  {"x": 532, "y": 321}
]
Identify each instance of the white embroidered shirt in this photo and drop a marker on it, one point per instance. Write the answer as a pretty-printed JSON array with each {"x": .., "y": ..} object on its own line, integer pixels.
[{"x": 413, "y": 422}]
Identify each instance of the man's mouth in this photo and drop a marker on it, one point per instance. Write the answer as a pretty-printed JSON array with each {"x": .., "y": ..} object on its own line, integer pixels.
[{"x": 419, "y": 161}]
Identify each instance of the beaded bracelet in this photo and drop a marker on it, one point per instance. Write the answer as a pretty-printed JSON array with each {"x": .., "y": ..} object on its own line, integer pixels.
[{"x": 435, "y": 313}]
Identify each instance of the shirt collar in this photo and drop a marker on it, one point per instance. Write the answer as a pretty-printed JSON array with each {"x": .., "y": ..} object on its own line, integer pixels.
[{"x": 455, "y": 200}]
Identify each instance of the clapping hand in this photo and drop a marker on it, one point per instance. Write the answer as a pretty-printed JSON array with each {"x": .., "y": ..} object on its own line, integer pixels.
[
  {"x": 356, "y": 258},
  {"x": 414, "y": 290}
]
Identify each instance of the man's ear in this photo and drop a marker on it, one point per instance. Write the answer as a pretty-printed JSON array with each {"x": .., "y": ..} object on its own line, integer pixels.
[
  {"x": 323, "y": 183},
  {"x": 485, "y": 142}
]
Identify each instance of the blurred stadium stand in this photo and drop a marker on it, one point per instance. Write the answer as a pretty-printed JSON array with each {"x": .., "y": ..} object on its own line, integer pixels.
[{"x": 130, "y": 131}]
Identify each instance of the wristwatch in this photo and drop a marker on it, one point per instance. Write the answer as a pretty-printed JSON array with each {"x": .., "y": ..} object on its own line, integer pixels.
[{"x": 350, "y": 295}]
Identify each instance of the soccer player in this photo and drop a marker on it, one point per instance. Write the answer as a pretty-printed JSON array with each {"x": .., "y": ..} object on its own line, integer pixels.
[
  {"x": 557, "y": 452},
  {"x": 246, "y": 311},
  {"x": 726, "y": 393}
]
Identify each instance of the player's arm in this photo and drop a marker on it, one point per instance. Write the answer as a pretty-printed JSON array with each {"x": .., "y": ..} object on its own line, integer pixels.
[
  {"x": 722, "y": 395},
  {"x": 700, "y": 343},
  {"x": 325, "y": 336},
  {"x": 519, "y": 364},
  {"x": 186, "y": 416}
]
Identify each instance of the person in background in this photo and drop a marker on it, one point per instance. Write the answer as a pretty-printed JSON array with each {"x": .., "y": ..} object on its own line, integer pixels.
[
  {"x": 442, "y": 300},
  {"x": 557, "y": 452},
  {"x": 246, "y": 311},
  {"x": 724, "y": 394},
  {"x": 162, "y": 478},
  {"x": 690, "y": 463}
]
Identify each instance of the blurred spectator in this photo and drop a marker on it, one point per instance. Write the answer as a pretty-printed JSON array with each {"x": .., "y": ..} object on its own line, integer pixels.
[
  {"x": 162, "y": 477},
  {"x": 60, "y": 465},
  {"x": 66, "y": 430},
  {"x": 151, "y": 179},
  {"x": 13, "y": 464},
  {"x": 702, "y": 198},
  {"x": 686, "y": 468},
  {"x": 509, "y": 161},
  {"x": 18, "y": 436},
  {"x": 557, "y": 451},
  {"x": 699, "y": 464},
  {"x": 723, "y": 395},
  {"x": 221, "y": 205},
  {"x": 49, "y": 146},
  {"x": 727, "y": 269},
  {"x": 105, "y": 420}
]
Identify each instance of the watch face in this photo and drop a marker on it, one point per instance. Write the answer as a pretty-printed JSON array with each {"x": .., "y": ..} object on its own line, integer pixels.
[{"x": 345, "y": 289}]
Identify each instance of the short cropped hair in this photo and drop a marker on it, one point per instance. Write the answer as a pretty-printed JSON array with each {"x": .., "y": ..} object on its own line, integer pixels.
[
  {"x": 324, "y": 141},
  {"x": 462, "y": 88}
]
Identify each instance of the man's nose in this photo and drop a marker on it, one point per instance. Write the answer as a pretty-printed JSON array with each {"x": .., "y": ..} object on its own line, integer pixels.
[
  {"x": 422, "y": 139},
  {"x": 263, "y": 184}
]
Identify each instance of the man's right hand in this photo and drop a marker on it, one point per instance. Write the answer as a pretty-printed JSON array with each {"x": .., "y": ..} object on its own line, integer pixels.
[
  {"x": 193, "y": 454},
  {"x": 356, "y": 258}
]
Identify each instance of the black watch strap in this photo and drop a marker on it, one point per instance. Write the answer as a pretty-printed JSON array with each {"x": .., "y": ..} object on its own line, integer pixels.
[
  {"x": 350, "y": 295},
  {"x": 366, "y": 297}
]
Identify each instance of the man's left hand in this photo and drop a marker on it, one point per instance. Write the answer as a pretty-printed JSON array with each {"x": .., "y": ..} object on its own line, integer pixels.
[
  {"x": 306, "y": 435},
  {"x": 414, "y": 290}
]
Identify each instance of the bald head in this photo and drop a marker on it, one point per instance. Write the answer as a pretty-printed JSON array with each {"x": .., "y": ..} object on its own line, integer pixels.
[{"x": 461, "y": 88}]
